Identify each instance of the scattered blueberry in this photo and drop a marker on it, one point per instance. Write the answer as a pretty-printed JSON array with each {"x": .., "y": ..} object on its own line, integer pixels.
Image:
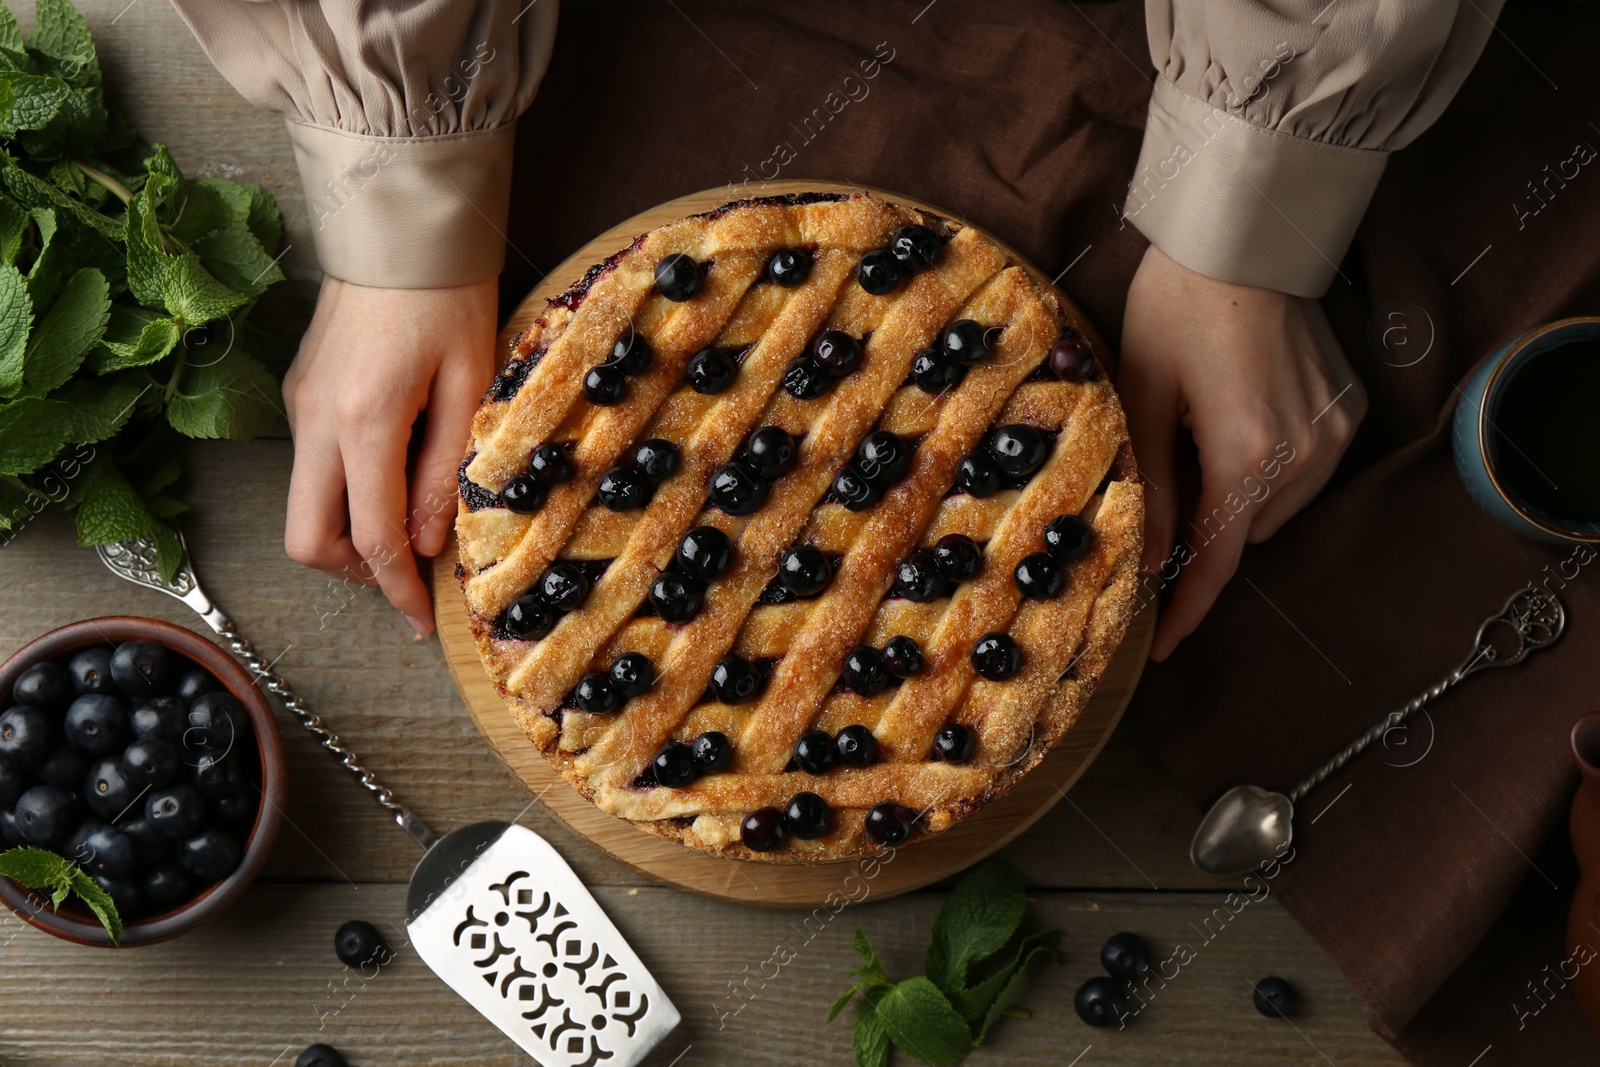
[
  {"x": 106, "y": 790},
  {"x": 320, "y": 1056},
  {"x": 902, "y": 656},
  {"x": 64, "y": 768},
  {"x": 89, "y": 670},
  {"x": 713, "y": 752},
  {"x": 705, "y": 553},
  {"x": 965, "y": 341},
  {"x": 804, "y": 570},
  {"x": 883, "y": 457},
  {"x": 935, "y": 373},
  {"x": 564, "y": 586},
  {"x": 889, "y": 824},
  {"x": 957, "y": 558},
  {"x": 595, "y": 694},
  {"x": 1275, "y": 998},
  {"x": 837, "y": 353},
  {"x": 604, "y": 385},
  {"x": 878, "y": 272},
  {"x": 175, "y": 812},
  {"x": 807, "y": 816},
  {"x": 915, "y": 247},
  {"x": 631, "y": 353},
  {"x": 771, "y": 452},
  {"x": 855, "y": 746},
  {"x": 141, "y": 668},
  {"x": 996, "y": 656},
  {"x": 621, "y": 489},
  {"x": 524, "y": 494},
  {"x": 550, "y": 464},
  {"x": 1100, "y": 1001},
  {"x": 674, "y": 765},
  {"x": 1125, "y": 957},
  {"x": 44, "y": 686},
  {"x": 632, "y": 675},
  {"x": 529, "y": 617},
  {"x": 711, "y": 372},
  {"x": 26, "y": 735},
  {"x": 854, "y": 489},
  {"x": 44, "y": 813},
  {"x": 737, "y": 489},
  {"x": 1039, "y": 576},
  {"x": 1070, "y": 360},
  {"x": 1066, "y": 537},
  {"x": 359, "y": 944},
  {"x": 656, "y": 460},
  {"x": 1017, "y": 450},
  {"x": 955, "y": 743},
  {"x": 96, "y": 724},
  {"x": 676, "y": 597},
  {"x": 804, "y": 380},
  {"x": 109, "y": 852},
  {"x": 678, "y": 277},
  {"x": 814, "y": 752},
  {"x": 977, "y": 475},
  {"x": 218, "y": 776},
  {"x": 735, "y": 680},
  {"x": 763, "y": 830},
  {"x": 789, "y": 266},
  {"x": 167, "y": 885},
  {"x": 917, "y": 578},
  {"x": 864, "y": 671}
]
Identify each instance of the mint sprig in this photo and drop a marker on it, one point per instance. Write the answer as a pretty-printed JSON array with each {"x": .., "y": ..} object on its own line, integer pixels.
[
  {"x": 35, "y": 868},
  {"x": 970, "y": 982},
  {"x": 124, "y": 293}
]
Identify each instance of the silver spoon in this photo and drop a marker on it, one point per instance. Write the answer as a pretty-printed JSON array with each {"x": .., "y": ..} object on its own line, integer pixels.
[{"x": 1249, "y": 826}]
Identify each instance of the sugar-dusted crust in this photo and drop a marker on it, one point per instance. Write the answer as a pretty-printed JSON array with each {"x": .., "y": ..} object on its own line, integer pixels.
[{"x": 1066, "y": 640}]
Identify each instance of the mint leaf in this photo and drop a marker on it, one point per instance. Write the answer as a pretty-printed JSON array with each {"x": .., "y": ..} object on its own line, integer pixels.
[
  {"x": 921, "y": 1023},
  {"x": 235, "y": 258},
  {"x": 68, "y": 330},
  {"x": 233, "y": 397},
  {"x": 60, "y": 33},
  {"x": 49, "y": 261},
  {"x": 28, "y": 101},
  {"x": 979, "y": 918},
  {"x": 134, "y": 337},
  {"x": 99, "y": 902},
  {"x": 194, "y": 296},
  {"x": 109, "y": 509},
  {"x": 984, "y": 1003},
  {"x": 871, "y": 969},
  {"x": 14, "y": 220},
  {"x": 148, "y": 260},
  {"x": 10, "y": 32},
  {"x": 264, "y": 220},
  {"x": 77, "y": 124},
  {"x": 16, "y": 317},
  {"x": 32, "y": 431},
  {"x": 35, "y": 868},
  {"x": 195, "y": 211},
  {"x": 35, "y": 192},
  {"x": 870, "y": 1041}
]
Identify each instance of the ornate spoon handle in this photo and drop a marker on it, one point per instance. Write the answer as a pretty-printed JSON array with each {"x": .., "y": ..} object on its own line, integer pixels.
[
  {"x": 1532, "y": 618},
  {"x": 135, "y": 561}
]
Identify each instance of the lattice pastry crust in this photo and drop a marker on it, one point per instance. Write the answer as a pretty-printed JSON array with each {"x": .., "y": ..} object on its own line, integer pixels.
[{"x": 728, "y": 301}]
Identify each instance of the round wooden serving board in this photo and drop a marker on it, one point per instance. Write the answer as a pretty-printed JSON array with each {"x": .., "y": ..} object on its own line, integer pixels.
[{"x": 772, "y": 885}]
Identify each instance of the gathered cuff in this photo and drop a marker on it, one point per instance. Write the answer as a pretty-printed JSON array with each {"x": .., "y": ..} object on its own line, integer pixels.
[
  {"x": 406, "y": 212},
  {"x": 1244, "y": 203}
]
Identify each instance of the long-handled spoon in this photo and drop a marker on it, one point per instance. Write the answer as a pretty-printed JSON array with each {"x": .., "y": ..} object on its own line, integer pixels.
[{"x": 1249, "y": 826}]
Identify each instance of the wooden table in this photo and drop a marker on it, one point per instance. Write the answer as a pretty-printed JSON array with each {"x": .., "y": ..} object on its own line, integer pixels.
[{"x": 262, "y": 982}]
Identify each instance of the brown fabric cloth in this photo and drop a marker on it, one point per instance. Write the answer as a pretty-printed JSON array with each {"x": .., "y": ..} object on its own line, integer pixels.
[{"x": 1026, "y": 118}]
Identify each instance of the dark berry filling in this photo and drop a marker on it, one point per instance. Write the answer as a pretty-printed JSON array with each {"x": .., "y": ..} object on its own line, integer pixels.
[
  {"x": 855, "y": 746},
  {"x": 814, "y": 752},
  {"x": 705, "y": 553},
  {"x": 803, "y": 379},
  {"x": 879, "y": 272},
  {"x": 807, "y": 816},
  {"x": 1038, "y": 576},
  {"x": 902, "y": 656},
  {"x": 678, "y": 277},
  {"x": 889, "y": 824},
  {"x": 1066, "y": 538},
  {"x": 955, "y": 743},
  {"x": 996, "y": 656},
  {"x": 837, "y": 353},
  {"x": 789, "y": 266}
]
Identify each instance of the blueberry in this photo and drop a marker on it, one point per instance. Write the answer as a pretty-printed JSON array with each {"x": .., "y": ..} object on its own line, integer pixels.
[
  {"x": 106, "y": 790},
  {"x": 359, "y": 944},
  {"x": 954, "y": 743},
  {"x": 218, "y": 776},
  {"x": 996, "y": 656},
  {"x": 763, "y": 830},
  {"x": 89, "y": 670},
  {"x": 1070, "y": 360},
  {"x": 75, "y": 846},
  {"x": 771, "y": 452},
  {"x": 632, "y": 675},
  {"x": 977, "y": 475},
  {"x": 550, "y": 464},
  {"x": 1100, "y": 1001},
  {"x": 1125, "y": 957},
  {"x": 804, "y": 570},
  {"x": 656, "y": 460},
  {"x": 854, "y": 489},
  {"x": 917, "y": 578},
  {"x": 150, "y": 762},
  {"x": 210, "y": 855},
  {"x": 162, "y": 718},
  {"x": 804, "y": 380},
  {"x": 807, "y": 816},
  {"x": 64, "y": 768},
  {"x": 320, "y": 1056},
  {"x": 789, "y": 266},
  {"x": 595, "y": 694},
  {"x": 26, "y": 736},
  {"x": 902, "y": 656},
  {"x": 1039, "y": 576},
  {"x": 855, "y": 746},
  {"x": 1275, "y": 998},
  {"x": 44, "y": 813},
  {"x": 8, "y": 828},
  {"x": 814, "y": 752},
  {"x": 1066, "y": 537},
  {"x": 529, "y": 617},
  {"x": 237, "y": 810},
  {"x": 705, "y": 553},
  {"x": 737, "y": 489},
  {"x": 736, "y": 680},
  {"x": 12, "y": 782},
  {"x": 126, "y": 894},
  {"x": 564, "y": 586},
  {"x": 957, "y": 558},
  {"x": 674, "y": 765},
  {"x": 711, "y": 372},
  {"x": 524, "y": 494},
  {"x": 884, "y": 457},
  {"x": 935, "y": 373},
  {"x": 676, "y": 597},
  {"x": 109, "y": 852},
  {"x": 150, "y": 847},
  {"x": 96, "y": 724},
  {"x": 837, "y": 353},
  {"x": 879, "y": 272},
  {"x": 44, "y": 686},
  {"x": 889, "y": 824},
  {"x": 631, "y": 354},
  {"x": 713, "y": 752},
  {"x": 678, "y": 277},
  {"x": 167, "y": 886},
  {"x": 604, "y": 385},
  {"x": 965, "y": 341},
  {"x": 141, "y": 668},
  {"x": 864, "y": 671},
  {"x": 192, "y": 684},
  {"x": 1018, "y": 450},
  {"x": 217, "y": 722},
  {"x": 174, "y": 812},
  {"x": 916, "y": 247},
  {"x": 622, "y": 489}
]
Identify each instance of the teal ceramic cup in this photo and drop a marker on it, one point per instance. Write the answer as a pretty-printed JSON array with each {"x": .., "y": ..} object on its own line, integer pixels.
[{"x": 1474, "y": 435}]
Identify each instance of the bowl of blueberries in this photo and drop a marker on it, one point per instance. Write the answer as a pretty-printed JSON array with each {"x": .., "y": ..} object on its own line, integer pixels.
[{"x": 146, "y": 755}]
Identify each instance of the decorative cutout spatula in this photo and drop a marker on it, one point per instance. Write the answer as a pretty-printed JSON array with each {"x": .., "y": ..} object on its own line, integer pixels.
[{"x": 491, "y": 908}]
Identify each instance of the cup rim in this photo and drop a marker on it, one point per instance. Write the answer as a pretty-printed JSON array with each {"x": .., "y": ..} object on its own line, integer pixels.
[
  {"x": 1506, "y": 359},
  {"x": 34, "y": 908}
]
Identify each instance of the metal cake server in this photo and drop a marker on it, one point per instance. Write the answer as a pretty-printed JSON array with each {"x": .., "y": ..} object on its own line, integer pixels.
[
  {"x": 491, "y": 908},
  {"x": 1250, "y": 826}
]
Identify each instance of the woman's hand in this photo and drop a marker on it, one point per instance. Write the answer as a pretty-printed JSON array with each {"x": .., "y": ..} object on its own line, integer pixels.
[
  {"x": 372, "y": 361},
  {"x": 1262, "y": 385}
]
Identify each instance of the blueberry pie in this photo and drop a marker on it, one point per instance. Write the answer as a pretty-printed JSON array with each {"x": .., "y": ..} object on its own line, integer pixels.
[{"x": 800, "y": 529}]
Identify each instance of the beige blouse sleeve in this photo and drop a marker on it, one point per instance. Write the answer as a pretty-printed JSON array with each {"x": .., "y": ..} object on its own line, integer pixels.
[
  {"x": 402, "y": 116},
  {"x": 1270, "y": 124}
]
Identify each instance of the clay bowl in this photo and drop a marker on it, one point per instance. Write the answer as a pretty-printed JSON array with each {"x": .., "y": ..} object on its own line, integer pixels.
[{"x": 73, "y": 922}]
